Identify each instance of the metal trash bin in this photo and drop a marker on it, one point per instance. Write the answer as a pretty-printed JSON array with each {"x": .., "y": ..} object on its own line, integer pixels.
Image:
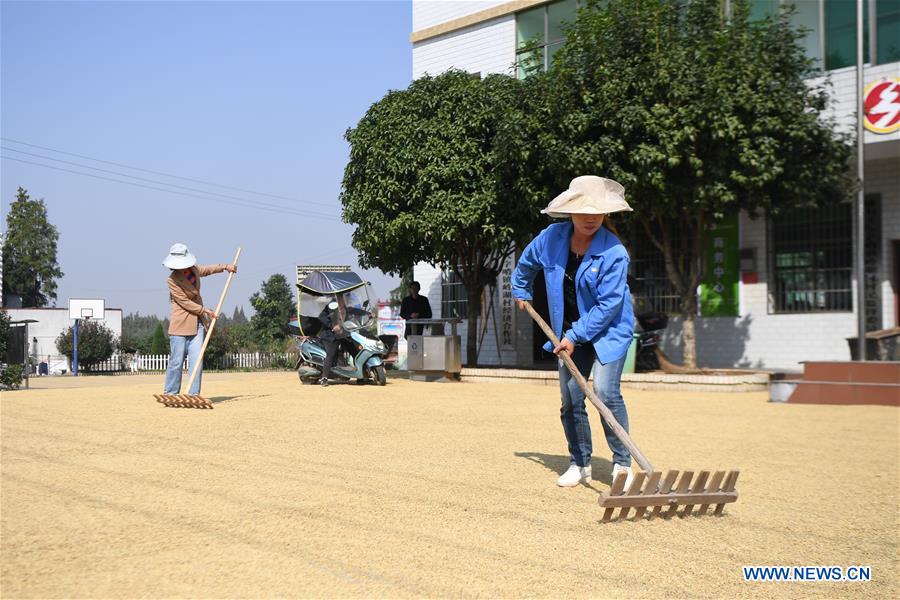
[{"x": 437, "y": 355}]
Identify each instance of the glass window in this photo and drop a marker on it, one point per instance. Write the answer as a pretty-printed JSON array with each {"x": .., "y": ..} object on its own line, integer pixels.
[
  {"x": 557, "y": 14},
  {"x": 760, "y": 9},
  {"x": 454, "y": 301},
  {"x": 651, "y": 289},
  {"x": 539, "y": 34},
  {"x": 888, "y": 31},
  {"x": 840, "y": 33},
  {"x": 806, "y": 17},
  {"x": 530, "y": 27},
  {"x": 811, "y": 258}
]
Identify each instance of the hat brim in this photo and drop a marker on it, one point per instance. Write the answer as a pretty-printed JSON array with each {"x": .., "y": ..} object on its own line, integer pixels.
[
  {"x": 567, "y": 204},
  {"x": 180, "y": 262}
]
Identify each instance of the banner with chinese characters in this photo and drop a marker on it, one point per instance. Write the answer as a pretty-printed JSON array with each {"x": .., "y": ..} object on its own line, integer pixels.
[
  {"x": 507, "y": 307},
  {"x": 719, "y": 290}
]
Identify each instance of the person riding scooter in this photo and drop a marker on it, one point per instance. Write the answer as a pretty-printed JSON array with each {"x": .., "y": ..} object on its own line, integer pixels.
[
  {"x": 333, "y": 335},
  {"x": 335, "y": 313}
]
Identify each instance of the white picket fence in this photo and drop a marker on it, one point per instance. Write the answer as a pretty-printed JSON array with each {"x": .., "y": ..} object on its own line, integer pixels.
[{"x": 238, "y": 360}]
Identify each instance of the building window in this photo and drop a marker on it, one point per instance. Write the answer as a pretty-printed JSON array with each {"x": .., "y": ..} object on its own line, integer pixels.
[
  {"x": 807, "y": 16},
  {"x": 539, "y": 34},
  {"x": 840, "y": 33},
  {"x": 454, "y": 302},
  {"x": 887, "y": 31},
  {"x": 811, "y": 260},
  {"x": 651, "y": 289}
]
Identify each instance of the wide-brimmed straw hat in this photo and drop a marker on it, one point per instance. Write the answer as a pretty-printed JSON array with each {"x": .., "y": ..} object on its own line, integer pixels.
[
  {"x": 588, "y": 195},
  {"x": 179, "y": 257}
]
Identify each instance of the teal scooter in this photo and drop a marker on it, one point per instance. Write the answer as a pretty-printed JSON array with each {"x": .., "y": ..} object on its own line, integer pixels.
[{"x": 348, "y": 300}]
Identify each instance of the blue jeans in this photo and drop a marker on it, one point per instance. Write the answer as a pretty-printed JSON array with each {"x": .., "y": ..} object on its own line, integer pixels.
[
  {"x": 573, "y": 414},
  {"x": 181, "y": 345}
]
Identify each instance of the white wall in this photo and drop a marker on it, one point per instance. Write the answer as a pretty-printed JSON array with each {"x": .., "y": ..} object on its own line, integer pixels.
[
  {"x": 843, "y": 85},
  {"x": 428, "y": 13},
  {"x": 53, "y": 321},
  {"x": 883, "y": 176},
  {"x": 485, "y": 48}
]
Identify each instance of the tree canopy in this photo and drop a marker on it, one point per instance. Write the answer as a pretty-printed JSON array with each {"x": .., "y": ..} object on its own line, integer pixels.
[
  {"x": 274, "y": 306},
  {"x": 421, "y": 184},
  {"x": 697, "y": 114},
  {"x": 30, "y": 269},
  {"x": 96, "y": 343}
]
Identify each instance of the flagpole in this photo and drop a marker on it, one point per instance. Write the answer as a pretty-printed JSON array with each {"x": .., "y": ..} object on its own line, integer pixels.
[{"x": 861, "y": 192}]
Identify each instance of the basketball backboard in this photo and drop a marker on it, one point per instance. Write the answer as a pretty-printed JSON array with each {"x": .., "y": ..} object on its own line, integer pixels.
[{"x": 86, "y": 308}]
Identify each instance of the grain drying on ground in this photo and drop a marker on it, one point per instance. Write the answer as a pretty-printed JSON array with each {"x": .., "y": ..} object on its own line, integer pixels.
[{"x": 416, "y": 489}]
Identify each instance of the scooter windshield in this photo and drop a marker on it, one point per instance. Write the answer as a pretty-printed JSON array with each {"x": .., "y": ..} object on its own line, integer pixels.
[
  {"x": 353, "y": 309},
  {"x": 359, "y": 307}
]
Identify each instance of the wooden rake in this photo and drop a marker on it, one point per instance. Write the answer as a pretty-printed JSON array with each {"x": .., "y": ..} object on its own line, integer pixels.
[
  {"x": 649, "y": 492},
  {"x": 196, "y": 400}
]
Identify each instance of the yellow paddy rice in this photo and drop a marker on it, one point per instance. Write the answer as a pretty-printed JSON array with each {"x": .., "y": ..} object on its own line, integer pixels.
[{"x": 422, "y": 490}]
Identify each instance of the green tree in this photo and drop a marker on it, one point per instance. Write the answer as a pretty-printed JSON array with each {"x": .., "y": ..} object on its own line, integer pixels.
[
  {"x": 159, "y": 344},
  {"x": 698, "y": 115},
  {"x": 138, "y": 330},
  {"x": 238, "y": 317},
  {"x": 96, "y": 343},
  {"x": 274, "y": 306},
  {"x": 420, "y": 185},
  {"x": 30, "y": 269}
]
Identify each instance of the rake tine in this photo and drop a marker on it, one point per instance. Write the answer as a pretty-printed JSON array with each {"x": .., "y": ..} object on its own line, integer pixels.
[
  {"x": 712, "y": 488},
  {"x": 684, "y": 485},
  {"x": 634, "y": 490},
  {"x": 651, "y": 487},
  {"x": 730, "y": 482},
  {"x": 665, "y": 488},
  {"x": 616, "y": 490},
  {"x": 699, "y": 486}
]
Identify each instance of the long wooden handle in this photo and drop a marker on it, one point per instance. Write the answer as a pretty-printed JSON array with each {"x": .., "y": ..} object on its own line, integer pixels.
[
  {"x": 212, "y": 325},
  {"x": 589, "y": 392}
]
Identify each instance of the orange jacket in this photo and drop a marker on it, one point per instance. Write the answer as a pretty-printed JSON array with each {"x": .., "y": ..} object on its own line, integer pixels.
[{"x": 187, "y": 305}]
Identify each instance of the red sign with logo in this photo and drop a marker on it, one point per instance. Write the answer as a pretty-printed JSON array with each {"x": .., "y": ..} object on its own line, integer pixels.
[{"x": 881, "y": 103}]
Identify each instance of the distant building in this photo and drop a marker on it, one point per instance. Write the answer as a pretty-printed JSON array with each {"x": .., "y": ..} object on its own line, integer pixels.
[{"x": 51, "y": 322}]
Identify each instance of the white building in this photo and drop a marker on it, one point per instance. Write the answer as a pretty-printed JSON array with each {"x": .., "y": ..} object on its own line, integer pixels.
[
  {"x": 50, "y": 323},
  {"x": 796, "y": 298}
]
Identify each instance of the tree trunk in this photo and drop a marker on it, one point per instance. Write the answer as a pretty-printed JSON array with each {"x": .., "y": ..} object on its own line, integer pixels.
[
  {"x": 689, "y": 335},
  {"x": 473, "y": 296}
]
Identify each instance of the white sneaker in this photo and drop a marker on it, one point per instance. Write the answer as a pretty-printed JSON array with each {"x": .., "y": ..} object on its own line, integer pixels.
[
  {"x": 574, "y": 476},
  {"x": 629, "y": 476}
]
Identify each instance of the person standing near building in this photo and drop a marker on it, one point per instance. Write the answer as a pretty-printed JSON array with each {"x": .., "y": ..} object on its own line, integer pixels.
[
  {"x": 189, "y": 316},
  {"x": 415, "y": 306},
  {"x": 585, "y": 268}
]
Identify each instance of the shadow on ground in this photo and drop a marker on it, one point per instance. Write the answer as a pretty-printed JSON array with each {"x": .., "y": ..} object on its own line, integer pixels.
[
  {"x": 221, "y": 399},
  {"x": 600, "y": 467}
]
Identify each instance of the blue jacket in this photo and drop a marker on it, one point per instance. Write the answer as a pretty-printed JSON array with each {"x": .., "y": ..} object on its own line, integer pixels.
[{"x": 601, "y": 284}]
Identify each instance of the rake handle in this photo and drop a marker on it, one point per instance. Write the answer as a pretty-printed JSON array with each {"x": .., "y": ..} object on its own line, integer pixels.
[
  {"x": 212, "y": 325},
  {"x": 589, "y": 392}
]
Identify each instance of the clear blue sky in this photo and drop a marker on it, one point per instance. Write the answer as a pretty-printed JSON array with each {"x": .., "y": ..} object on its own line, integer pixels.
[{"x": 250, "y": 95}]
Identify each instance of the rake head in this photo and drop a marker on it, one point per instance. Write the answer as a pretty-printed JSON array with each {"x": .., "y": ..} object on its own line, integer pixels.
[
  {"x": 650, "y": 497},
  {"x": 183, "y": 401}
]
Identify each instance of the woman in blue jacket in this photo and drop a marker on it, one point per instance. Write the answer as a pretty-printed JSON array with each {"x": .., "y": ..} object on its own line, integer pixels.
[{"x": 586, "y": 269}]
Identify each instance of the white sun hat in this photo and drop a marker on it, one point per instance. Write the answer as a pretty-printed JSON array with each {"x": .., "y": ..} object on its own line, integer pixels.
[
  {"x": 179, "y": 257},
  {"x": 588, "y": 195}
]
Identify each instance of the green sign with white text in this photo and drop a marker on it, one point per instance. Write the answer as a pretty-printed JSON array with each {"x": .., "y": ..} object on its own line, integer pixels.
[{"x": 719, "y": 290}]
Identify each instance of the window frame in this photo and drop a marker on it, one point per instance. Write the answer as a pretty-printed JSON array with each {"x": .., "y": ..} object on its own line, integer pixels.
[
  {"x": 454, "y": 298},
  {"x": 812, "y": 272}
]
